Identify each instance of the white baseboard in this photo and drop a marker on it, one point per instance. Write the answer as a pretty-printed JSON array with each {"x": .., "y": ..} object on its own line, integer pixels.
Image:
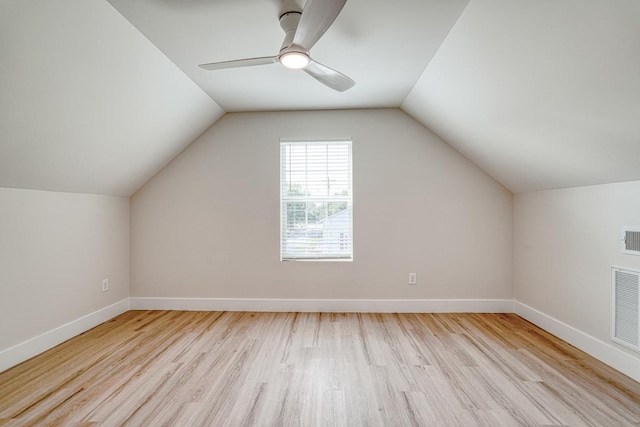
[
  {"x": 603, "y": 351},
  {"x": 324, "y": 305},
  {"x": 34, "y": 346}
]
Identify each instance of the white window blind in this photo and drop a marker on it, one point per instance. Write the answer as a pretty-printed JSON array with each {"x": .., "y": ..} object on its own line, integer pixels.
[{"x": 316, "y": 200}]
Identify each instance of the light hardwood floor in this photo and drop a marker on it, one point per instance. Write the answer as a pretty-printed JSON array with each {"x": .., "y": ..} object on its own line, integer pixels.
[{"x": 170, "y": 368}]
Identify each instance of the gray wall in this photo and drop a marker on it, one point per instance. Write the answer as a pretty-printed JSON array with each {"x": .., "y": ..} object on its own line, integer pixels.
[
  {"x": 208, "y": 224},
  {"x": 566, "y": 242},
  {"x": 55, "y": 249}
]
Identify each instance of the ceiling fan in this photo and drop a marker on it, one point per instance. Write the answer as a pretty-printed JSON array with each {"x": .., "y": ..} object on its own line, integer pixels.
[{"x": 302, "y": 31}]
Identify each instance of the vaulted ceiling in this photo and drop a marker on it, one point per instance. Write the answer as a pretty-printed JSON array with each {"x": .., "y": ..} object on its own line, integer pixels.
[
  {"x": 88, "y": 104},
  {"x": 97, "y": 96}
]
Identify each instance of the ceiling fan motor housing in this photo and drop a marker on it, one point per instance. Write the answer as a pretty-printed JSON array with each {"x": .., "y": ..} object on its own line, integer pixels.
[{"x": 291, "y": 55}]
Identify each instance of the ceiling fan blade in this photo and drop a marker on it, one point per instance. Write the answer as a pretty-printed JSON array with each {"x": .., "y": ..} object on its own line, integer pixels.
[
  {"x": 317, "y": 17},
  {"x": 329, "y": 77},
  {"x": 249, "y": 62}
]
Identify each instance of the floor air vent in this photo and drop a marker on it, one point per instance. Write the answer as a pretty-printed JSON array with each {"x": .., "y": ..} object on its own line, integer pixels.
[{"x": 626, "y": 308}]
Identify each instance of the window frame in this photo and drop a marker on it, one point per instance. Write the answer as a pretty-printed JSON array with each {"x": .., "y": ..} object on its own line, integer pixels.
[{"x": 316, "y": 199}]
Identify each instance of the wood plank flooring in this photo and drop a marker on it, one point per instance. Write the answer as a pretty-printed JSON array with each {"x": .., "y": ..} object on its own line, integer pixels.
[{"x": 171, "y": 368}]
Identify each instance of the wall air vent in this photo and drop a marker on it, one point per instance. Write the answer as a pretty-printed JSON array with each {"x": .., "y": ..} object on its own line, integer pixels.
[
  {"x": 625, "y": 313},
  {"x": 631, "y": 240}
]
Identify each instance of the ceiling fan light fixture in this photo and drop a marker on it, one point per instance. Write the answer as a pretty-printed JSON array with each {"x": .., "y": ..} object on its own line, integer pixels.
[{"x": 295, "y": 60}]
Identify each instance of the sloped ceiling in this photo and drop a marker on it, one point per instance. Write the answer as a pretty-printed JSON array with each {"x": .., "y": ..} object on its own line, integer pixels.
[
  {"x": 87, "y": 103},
  {"x": 540, "y": 94}
]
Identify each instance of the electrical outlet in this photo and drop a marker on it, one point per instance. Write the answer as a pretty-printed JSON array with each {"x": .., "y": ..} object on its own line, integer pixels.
[
  {"x": 105, "y": 285},
  {"x": 413, "y": 279}
]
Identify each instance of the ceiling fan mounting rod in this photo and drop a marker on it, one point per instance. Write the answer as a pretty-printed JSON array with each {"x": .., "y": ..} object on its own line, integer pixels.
[{"x": 289, "y": 24}]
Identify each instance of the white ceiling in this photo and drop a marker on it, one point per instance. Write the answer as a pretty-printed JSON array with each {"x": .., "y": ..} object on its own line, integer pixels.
[
  {"x": 539, "y": 93},
  {"x": 87, "y": 103},
  {"x": 383, "y": 45}
]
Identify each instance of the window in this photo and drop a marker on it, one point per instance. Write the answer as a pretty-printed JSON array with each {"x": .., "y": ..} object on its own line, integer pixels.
[{"x": 316, "y": 202}]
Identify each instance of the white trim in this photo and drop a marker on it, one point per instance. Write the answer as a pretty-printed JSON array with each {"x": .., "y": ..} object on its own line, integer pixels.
[
  {"x": 325, "y": 305},
  {"x": 603, "y": 351},
  {"x": 34, "y": 346}
]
